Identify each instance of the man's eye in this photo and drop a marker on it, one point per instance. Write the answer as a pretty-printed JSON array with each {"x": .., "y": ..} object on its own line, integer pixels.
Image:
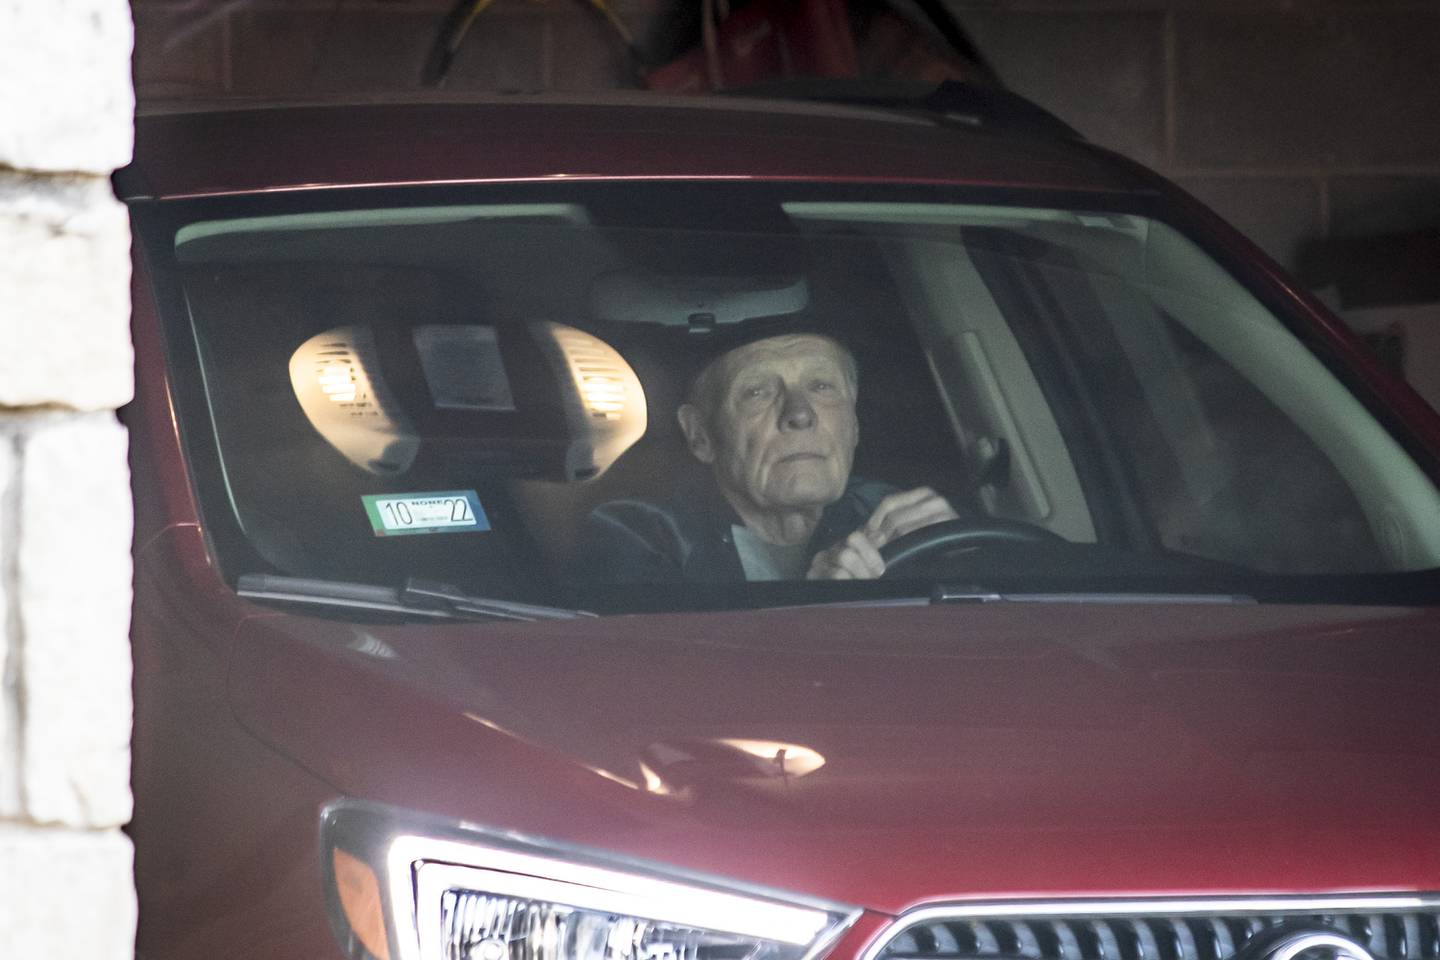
[
  {"x": 821, "y": 385},
  {"x": 755, "y": 392}
]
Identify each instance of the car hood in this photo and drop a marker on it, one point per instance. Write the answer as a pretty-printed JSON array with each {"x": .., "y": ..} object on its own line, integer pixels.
[{"x": 889, "y": 756}]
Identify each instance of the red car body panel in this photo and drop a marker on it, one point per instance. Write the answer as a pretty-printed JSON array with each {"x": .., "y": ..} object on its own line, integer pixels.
[
  {"x": 266, "y": 150},
  {"x": 974, "y": 750},
  {"x": 1018, "y": 750}
]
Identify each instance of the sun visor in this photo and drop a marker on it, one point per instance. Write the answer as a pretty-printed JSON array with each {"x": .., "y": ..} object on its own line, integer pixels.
[
  {"x": 698, "y": 302},
  {"x": 540, "y": 400}
]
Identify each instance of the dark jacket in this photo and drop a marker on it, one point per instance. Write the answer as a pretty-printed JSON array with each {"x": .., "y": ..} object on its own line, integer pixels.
[{"x": 687, "y": 537}]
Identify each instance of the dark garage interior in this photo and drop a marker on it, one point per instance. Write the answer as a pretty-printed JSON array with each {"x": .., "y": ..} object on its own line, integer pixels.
[
  {"x": 1314, "y": 125},
  {"x": 1261, "y": 747}
]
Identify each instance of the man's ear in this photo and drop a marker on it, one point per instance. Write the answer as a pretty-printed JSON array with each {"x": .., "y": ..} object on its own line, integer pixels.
[{"x": 697, "y": 435}]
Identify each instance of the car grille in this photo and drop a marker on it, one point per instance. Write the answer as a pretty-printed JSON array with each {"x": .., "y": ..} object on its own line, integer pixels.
[{"x": 1411, "y": 934}]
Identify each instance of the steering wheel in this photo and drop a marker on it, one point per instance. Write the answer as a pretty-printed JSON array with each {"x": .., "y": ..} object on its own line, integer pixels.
[{"x": 929, "y": 542}]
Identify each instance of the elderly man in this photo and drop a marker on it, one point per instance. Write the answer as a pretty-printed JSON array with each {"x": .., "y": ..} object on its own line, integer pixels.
[{"x": 774, "y": 420}]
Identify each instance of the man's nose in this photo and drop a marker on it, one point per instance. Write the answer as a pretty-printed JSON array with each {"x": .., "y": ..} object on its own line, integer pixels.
[{"x": 796, "y": 413}]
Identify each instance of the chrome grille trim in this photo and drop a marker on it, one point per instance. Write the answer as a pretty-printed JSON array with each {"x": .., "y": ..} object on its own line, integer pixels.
[{"x": 1395, "y": 926}]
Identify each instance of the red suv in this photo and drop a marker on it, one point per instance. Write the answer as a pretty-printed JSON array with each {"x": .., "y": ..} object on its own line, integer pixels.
[{"x": 754, "y": 530}]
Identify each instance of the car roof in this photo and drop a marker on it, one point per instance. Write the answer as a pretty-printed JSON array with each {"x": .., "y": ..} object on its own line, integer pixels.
[{"x": 245, "y": 148}]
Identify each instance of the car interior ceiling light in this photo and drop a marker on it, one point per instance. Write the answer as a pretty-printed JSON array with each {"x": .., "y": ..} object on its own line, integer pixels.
[
  {"x": 604, "y": 403},
  {"x": 349, "y": 406}
]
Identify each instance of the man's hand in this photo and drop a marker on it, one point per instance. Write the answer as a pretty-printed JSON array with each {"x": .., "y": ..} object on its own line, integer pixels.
[{"x": 857, "y": 557}]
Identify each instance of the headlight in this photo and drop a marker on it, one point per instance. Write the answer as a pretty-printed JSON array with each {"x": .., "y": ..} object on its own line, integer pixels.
[{"x": 402, "y": 888}]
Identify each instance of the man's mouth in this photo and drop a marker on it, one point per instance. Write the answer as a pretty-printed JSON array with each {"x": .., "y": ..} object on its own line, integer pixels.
[{"x": 793, "y": 457}]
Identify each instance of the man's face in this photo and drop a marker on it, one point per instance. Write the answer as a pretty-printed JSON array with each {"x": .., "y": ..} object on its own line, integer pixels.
[{"x": 782, "y": 432}]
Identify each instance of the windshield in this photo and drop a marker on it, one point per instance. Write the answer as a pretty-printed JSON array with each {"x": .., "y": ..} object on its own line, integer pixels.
[{"x": 675, "y": 397}]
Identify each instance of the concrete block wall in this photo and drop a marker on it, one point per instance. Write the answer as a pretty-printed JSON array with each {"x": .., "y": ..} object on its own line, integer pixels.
[
  {"x": 66, "y": 102},
  {"x": 1295, "y": 119},
  {"x": 1302, "y": 122},
  {"x": 204, "y": 49}
]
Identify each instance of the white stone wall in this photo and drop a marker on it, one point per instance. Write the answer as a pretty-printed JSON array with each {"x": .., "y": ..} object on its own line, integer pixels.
[{"x": 66, "y": 106}]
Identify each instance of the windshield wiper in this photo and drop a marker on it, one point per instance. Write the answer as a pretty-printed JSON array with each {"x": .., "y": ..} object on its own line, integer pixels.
[
  {"x": 968, "y": 593},
  {"x": 433, "y": 595},
  {"x": 423, "y": 598},
  {"x": 953, "y": 593}
]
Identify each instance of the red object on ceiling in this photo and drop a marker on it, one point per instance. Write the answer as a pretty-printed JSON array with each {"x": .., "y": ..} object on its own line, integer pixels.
[{"x": 766, "y": 40}]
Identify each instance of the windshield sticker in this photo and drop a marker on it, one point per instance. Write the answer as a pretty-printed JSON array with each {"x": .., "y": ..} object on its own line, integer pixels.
[
  {"x": 450, "y": 511},
  {"x": 463, "y": 367}
]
